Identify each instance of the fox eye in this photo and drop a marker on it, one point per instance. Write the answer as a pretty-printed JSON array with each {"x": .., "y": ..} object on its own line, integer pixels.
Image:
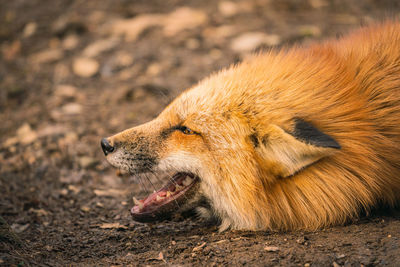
[{"x": 186, "y": 130}]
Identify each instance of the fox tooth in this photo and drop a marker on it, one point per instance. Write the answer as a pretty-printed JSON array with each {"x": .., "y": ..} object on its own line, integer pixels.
[
  {"x": 158, "y": 198},
  {"x": 137, "y": 202},
  {"x": 187, "y": 181},
  {"x": 169, "y": 193}
]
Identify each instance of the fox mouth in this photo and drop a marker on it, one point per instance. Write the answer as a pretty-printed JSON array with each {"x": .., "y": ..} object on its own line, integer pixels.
[{"x": 162, "y": 203}]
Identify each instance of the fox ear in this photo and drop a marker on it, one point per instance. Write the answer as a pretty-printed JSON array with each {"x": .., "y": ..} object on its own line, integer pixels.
[{"x": 285, "y": 153}]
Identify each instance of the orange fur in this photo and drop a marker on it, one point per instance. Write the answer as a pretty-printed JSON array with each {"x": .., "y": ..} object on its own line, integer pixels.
[{"x": 349, "y": 89}]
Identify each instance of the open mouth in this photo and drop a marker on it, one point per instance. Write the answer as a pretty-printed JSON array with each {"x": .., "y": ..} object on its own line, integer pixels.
[{"x": 162, "y": 203}]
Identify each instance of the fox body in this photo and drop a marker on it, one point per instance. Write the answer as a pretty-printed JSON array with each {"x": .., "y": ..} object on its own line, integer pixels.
[{"x": 299, "y": 138}]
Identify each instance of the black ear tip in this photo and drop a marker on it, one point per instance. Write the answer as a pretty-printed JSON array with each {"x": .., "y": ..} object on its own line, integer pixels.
[
  {"x": 309, "y": 134},
  {"x": 335, "y": 145}
]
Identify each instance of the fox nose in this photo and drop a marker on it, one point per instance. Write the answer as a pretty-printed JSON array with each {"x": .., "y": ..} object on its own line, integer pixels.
[{"x": 105, "y": 145}]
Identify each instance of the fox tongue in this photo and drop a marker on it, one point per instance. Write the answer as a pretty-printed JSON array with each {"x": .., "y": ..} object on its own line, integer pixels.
[
  {"x": 164, "y": 200},
  {"x": 158, "y": 196}
]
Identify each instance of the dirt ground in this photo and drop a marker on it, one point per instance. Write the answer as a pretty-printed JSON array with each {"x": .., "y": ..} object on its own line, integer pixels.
[{"x": 73, "y": 71}]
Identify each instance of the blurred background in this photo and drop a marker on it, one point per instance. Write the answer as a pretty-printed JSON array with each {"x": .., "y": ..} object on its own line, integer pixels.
[{"x": 73, "y": 71}]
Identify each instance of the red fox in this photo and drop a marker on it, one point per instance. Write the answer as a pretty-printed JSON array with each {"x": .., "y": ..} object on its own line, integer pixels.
[{"x": 293, "y": 139}]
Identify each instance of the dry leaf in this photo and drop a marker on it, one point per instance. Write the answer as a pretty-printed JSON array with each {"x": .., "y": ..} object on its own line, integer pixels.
[
  {"x": 183, "y": 18},
  {"x": 132, "y": 28},
  {"x": 85, "y": 208},
  {"x": 19, "y": 228},
  {"x": 47, "y": 56},
  {"x": 100, "y": 46},
  {"x": 199, "y": 247},
  {"x": 160, "y": 256},
  {"x": 74, "y": 189},
  {"x": 112, "y": 226},
  {"x": 109, "y": 192},
  {"x": 271, "y": 249},
  {"x": 39, "y": 212}
]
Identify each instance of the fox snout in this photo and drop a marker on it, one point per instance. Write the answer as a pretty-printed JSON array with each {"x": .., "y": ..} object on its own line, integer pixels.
[
  {"x": 131, "y": 150},
  {"x": 146, "y": 149}
]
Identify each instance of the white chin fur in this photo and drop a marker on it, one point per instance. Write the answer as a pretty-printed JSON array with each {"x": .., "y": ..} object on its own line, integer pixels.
[{"x": 180, "y": 162}]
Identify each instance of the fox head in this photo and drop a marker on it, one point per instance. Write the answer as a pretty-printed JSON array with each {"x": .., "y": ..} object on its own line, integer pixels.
[{"x": 225, "y": 142}]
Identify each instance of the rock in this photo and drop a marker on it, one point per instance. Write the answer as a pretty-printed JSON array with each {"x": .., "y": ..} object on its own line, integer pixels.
[
  {"x": 85, "y": 67},
  {"x": 271, "y": 249},
  {"x": 183, "y": 18},
  {"x": 132, "y": 28},
  {"x": 47, "y": 56},
  {"x": 249, "y": 41},
  {"x": 70, "y": 42},
  {"x": 72, "y": 109},
  {"x": 100, "y": 46},
  {"x": 66, "y": 91},
  {"x": 153, "y": 70},
  {"x": 29, "y": 29},
  {"x": 64, "y": 192},
  {"x": 228, "y": 8},
  {"x": 335, "y": 264}
]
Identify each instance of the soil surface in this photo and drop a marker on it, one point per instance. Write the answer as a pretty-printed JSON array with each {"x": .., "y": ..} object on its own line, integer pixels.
[{"x": 73, "y": 71}]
